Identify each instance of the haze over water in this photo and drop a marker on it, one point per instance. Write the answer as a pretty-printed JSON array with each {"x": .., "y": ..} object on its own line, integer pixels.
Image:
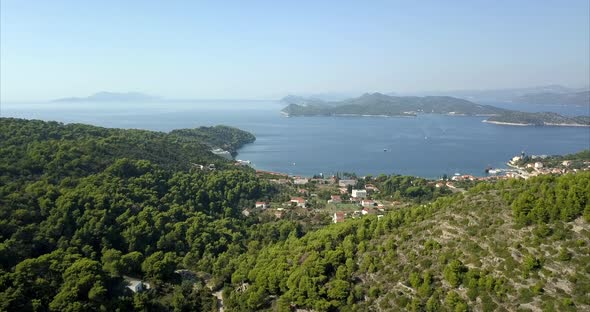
[{"x": 428, "y": 146}]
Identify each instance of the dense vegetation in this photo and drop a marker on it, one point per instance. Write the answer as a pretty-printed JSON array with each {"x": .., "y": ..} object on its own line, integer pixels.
[
  {"x": 82, "y": 207},
  {"x": 381, "y": 104},
  {"x": 539, "y": 119},
  {"x": 456, "y": 254}
]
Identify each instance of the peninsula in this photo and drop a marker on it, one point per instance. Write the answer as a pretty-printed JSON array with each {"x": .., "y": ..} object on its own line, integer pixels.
[{"x": 515, "y": 118}]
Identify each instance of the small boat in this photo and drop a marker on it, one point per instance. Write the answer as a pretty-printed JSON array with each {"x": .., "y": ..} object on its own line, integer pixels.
[{"x": 385, "y": 150}]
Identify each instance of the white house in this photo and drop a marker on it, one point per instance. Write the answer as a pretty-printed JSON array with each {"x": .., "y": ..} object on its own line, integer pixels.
[
  {"x": 538, "y": 165},
  {"x": 367, "y": 203},
  {"x": 135, "y": 284},
  {"x": 300, "y": 181},
  {"x": 359, "y": 193},
  {"x": 262, "y": 205},
  {"x": 299, "y": 201},
  {"x": 345, "y": 183}
]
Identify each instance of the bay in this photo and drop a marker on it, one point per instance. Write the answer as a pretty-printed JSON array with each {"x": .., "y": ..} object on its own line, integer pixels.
[{"x": 427, "y": 146}]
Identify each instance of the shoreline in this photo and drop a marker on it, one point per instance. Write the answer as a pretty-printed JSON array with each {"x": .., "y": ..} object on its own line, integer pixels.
[
  {"x": 506, "y": 123},
  {"x": 527, "y": 124}
]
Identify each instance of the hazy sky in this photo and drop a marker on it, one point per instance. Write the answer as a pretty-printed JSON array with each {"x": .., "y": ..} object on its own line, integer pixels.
[{"x": 266, "y": 49}]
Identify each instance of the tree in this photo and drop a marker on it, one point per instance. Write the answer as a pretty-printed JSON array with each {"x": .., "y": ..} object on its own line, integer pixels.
[{"x": 83, "y": 289}]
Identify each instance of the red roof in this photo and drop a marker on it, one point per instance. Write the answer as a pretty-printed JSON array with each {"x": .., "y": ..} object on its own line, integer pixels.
[
  {"x": 298, "y": 199},
  {"x": 260, "y": 203}
]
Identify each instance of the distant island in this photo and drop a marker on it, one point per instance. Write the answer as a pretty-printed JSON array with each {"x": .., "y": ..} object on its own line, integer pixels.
[
  {"x": 378, "y": 104},
  {"x": 514, "y": 118},
  {"x": 551, "y": 98},
  {"x": 112, "y": 97}
]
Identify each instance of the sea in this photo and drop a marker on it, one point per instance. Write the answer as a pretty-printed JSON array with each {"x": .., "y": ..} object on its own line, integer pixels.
[{"x": 428, "y": 146}]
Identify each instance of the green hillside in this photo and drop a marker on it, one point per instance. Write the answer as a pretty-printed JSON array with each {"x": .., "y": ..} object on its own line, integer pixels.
[{"x": 82, "y": 208}]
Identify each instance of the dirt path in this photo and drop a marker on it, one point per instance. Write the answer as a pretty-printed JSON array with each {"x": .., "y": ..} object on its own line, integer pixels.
[{"x": 219, "y": 297}]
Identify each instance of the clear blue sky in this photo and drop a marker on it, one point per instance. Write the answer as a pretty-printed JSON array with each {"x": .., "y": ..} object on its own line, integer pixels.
[{"x": 266, "y": 49}]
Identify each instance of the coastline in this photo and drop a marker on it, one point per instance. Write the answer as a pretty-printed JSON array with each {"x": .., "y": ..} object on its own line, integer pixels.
[
  {"x": 506, "y": 123},
  {"x": 524, "y": 125}
]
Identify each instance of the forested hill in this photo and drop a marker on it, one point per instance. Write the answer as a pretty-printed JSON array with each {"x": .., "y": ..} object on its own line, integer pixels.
[
  {"x": 32, "y": 147},
  {"x": 381, "y": 104},
  {"x": 512, "y": 246}
]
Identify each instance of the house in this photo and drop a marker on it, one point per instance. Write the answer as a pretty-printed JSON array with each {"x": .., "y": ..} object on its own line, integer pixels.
[
  {"x": 211, "y": 167},
  {"x": 278, "y": 214},
  {"x": 300, "y": 181},
  {"x": 566, "y": 163},
  {"x": 345, "y": 183},
  {"x": 335, "y": 199},
  {"x": 366, "y": 211},
  {"x": 246, "y": 212},
  {"x": 343, "y": 190},
  {"x": 262, "y": 205},
  {"x": 367, "y": 203},
  {"x": 359, "y": 193},
  {"x": 136, "y": 285},
  {"x": 200, "y": 167},
  {"x": 300, "y": 202},
  {"x": 439, "y": 184},
  {"x": 338, "y": 217},
  {"x": 538, "y": 165},
  {"x": 279, "y": 181}
]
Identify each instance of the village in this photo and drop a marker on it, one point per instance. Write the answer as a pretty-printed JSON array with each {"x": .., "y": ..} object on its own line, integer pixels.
[{"x": 336, "y": 199}]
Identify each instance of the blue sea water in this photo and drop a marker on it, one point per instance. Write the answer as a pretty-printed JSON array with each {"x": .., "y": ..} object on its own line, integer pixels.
[{"x": 428, "y": 145}]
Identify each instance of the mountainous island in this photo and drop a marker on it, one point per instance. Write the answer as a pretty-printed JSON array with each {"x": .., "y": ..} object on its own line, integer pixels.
[
  {"x": 98, "y": 219},
  {"x": 377, "y": 104},
  {"x": 112, "y": 97}
]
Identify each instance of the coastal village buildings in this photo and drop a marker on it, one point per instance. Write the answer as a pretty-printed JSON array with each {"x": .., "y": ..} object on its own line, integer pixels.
[
  {"x": 300, "y": 181},
  {"x": 345, "y": 183},
  {"x": 357, "y": 194},
  {"x": 300, "y": 202},
  {"x": 338, "y": 217},
  {"x": 367, "y": 203},
  {"x": 262, "y": 205},
  {"x": 136, "y": 285},
  {"x": 335, "y": 199}
]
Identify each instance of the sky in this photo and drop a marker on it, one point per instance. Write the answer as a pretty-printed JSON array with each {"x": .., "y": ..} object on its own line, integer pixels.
[{"x": 267, "y": 49}]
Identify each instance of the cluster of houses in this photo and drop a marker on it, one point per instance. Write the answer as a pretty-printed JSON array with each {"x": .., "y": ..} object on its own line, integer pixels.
[{"x": 537, "y": 167}]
